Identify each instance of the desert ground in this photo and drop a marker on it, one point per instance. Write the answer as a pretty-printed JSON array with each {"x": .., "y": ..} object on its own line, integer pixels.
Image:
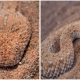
[{"x": 54, "y": 16}]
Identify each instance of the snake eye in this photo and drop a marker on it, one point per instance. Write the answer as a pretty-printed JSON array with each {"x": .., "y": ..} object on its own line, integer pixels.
[{"x": 55, "y": 47}]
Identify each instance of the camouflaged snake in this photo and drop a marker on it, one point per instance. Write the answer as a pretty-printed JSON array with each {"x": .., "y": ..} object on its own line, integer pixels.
[{"x": 58, "y": 61}]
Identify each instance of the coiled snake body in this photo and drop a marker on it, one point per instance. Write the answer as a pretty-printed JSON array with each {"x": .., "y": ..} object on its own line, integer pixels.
[{"x": 56, "y": 59}]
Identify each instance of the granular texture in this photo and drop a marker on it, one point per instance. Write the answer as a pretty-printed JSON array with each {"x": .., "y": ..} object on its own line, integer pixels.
[
  {"x": 20, "y": 40},
  {"x": 55, "y": 63},
  {"x": 15, "y": 32},
  {"x": 54, "y": 16}
]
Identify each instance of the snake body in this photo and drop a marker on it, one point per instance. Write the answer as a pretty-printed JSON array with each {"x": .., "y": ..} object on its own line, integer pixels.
[{"x": 58, "y": 51}]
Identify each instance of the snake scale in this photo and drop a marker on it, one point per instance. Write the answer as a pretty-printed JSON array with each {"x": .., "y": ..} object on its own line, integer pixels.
[{"x": 58, "y": 51}]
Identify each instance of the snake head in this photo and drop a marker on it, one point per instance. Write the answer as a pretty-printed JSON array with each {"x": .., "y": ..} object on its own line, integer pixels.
[{"x": 14, "y": 37}]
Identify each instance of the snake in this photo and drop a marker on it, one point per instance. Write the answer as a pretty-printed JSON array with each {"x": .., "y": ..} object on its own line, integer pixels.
[
  {"x": 18, "y": 43},
  {"x": 58, "y": 54},
  {"x": 15, "y": 32}
]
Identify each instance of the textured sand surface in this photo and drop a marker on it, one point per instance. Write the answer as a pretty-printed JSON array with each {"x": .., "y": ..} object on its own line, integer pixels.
[
  {"x": 19, "y": 36},
  {"x": 55, "y": 17},
  {"x": 56, "y": 14}
]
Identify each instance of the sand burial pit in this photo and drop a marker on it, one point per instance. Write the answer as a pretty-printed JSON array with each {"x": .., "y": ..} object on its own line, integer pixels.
[
  {"x": 18, "y": 43},
  {"x": 58, "y": 53}
]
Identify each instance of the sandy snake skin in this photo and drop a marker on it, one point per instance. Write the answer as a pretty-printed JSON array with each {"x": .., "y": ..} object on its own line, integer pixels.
[{"x": 58, "y": 61}]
